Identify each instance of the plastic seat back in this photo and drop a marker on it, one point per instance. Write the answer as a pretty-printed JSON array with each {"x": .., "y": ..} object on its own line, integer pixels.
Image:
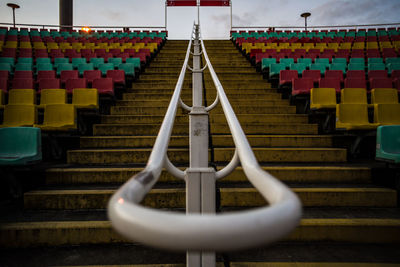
[
  {"x": 115, "y": 61},
  {"x": 355, "y": 83},
  {"x": 52, "y": 96},
  {"x": 63, "y": 67},
  {"x": 387, "y": 114},
  {"x": 135, "y": 61},
  {"x": 19, "y": 115},
  {"x": 330, "y": 83},
  {"x": 85, "y": 98},
  {"x": 322, "y": 98},
  {"x": 286, "y": 76},
  {"x": 353, "y": 96},
  {"x": 384, "y": 95},
  {"x": 49, "y": 84},
  {"x": 90, "y": 75},
  {"x": 105, "y": 67},
  {"x": 22, "y": 97},
  {"x": 96, "y": 61},
  {"x": 351, "y": 115},
  {"x": 76, "y": 61},
  {"x": 128, "y": 68},
  {"x": 266, "y": 62},
  {"x": 381, "y": 83},
  {"x": 315, "y": 75},
  {"x": 302, "y": 86},
  {"x": 71, "y": 84},
  {"x": 59, "y": 117},
  {"x": 388, "y": 143},
  {"x": 45, "y": 74},
  {"x": 118, "y": 76},
  {"x": 104, "y": 86},
  {"x": 84, "y": 67},
  {"x": 20, "y": 145}
]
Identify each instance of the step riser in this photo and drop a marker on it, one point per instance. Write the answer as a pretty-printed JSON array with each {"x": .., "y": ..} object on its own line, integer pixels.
[
  {"x": 220, "y": 155},
  {"x": 138, "y": 129},
  {"x": 79, "y": 233},
  {"x": 165, "y": 103},
  {"x": 217, "y": 110},
  {"x": 139, "y": 156},
  {"x": 262, "y": 118},
  {"x": 217, "y": 140},
  {"x": 287, "y": 155},
  {"x": 230, "y": 197},
  {"x": 315, "y": 175},
  {"x": 140, "y": 119},
  {"x": 126, "y": 142},
  {"x": 268, "y": 129}
]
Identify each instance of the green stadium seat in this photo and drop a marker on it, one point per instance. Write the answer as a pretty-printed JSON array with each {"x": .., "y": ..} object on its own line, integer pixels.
[
  {"x": 9, "y": 60},
  {"x": 105, "y": 67},
  {"x": 96, "y": 61},
  {"x": 300, "y": 67},
  {"x": 320, "y": 67},
  {"x": 23, "y": 66},
  {"x": 338, "y": 66},
  {"x": 307, "y": 61},
  {"x": 339, "y": 60},
  {"x": 286, "y": 61},
  {"x": 376, "y": 66},
  {"x": 374, "y": 60},
  {"x": 395, "y": 60},
  {"x": 324, "y": 61},
  {"x": 129, "y": 69},
  {"x": 135, "y": 61},
  {"x": 116, "y": 61},
  {"x": 266, "y": 62},
  {"x": 356, "y": 66},
  {"x": 77, "y": 61},
  {"x": 20, "y": 146},
  {"x": 60, "y": 60},
  {"x": 64, "y": 66},
  {"x": 44, "y": 67},
  {"x": 7, "y": 67},
  {"x": 275, "y": 69},
  {"x": 356, "y": 60},
  {"x": 393, "y": 66},
  {"x": 85, "y": 66},
  {"x": 25, "y": 60},
  {"x": 388, "y": 143}
]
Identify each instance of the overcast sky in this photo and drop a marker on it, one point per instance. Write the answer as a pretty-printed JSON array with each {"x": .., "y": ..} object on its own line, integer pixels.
[{"x": 215, "y": 21}]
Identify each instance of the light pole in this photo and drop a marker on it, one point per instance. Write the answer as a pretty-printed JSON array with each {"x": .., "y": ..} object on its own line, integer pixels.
[
  {"x": 13, "y": 6},
  {"x": 305, "y": 16}
]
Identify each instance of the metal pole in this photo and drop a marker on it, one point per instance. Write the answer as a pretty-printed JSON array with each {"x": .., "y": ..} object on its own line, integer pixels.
[
  {"x": 305, "y": 23},
  {"x": 198, "y": 13},
  {"x": 231, "y": 15},
  {"x": 14, "y": 16},
  {"x": 200, "y": 180},
  {"x": 166, "y": 14}
]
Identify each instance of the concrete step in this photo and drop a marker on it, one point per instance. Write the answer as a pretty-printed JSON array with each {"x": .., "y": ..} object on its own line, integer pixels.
[
  {"x": 138, "y": 103},
  {"x": 150, "y": 110},
  {"x": 180, "y": 155},
  {"x": 217, "y": 141},
  {"x": 122, "y": 156},
  {"x": 288, "y": 174},
  {"x": 61, "y": 233},
  {"x": 136, "y": 129},
  {"x": 287, "y": 154},
  {"x": 229, "y": 197},
  {"x": 268, "y": 128},
  {"x": 131, "y": 119}
]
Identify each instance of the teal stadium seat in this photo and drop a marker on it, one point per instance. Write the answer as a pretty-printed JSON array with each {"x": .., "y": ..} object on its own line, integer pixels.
[
  {"x": 266, "y": 62},
  {"x": 388, "y": 143},
  {"x": 20, "y": 145},
  {"x": 307, "y": 61},
  {"x": 135, "y": 61},
  {"x": 275, "y": 69},
  {"x": 300, "y": 67}
]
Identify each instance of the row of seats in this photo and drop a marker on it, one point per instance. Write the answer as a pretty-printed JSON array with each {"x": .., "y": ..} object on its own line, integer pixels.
[
  {"x": 272, "y": 68},
  {"x": 81, "y": 97},
  {"x": 95, "y": 63},
  {"x": 304, "y": 84},
  {"x": 335, "y": 79},
  {"x": 69, "y": 81},
  {"x": 388, "y": 144},
  {"x": 72, "y": 33},
  {"x": 326, "y": 97}
]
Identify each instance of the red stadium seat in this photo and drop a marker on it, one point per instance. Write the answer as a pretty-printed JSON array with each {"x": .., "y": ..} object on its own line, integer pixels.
[
  {"x": 4, "y": 85},
  {"x": 302, "y": 86},
  {"x": 338, "y": 74},
  {"x": 22, "y": 84},
  {"x": 23, "y": 74},
  {"x": 355, "y": 74},
  {"x": 355, "y": 83},
  {"x": 330, "y": 83},
  {"x": 90, "y": 75},
  {"x": 381, "y": 83},
  {"x": 49, "y": 84},
  {"x": 68, "y": 74},
  {"x": 71, "y": 84},
  {"x": 315, "y": 75},
  {"x": 118, "y": 76},
  {"x": 104, "y": 86},
  {"x": 46, "y": 74},
  {"x": 377, "y": 74}
]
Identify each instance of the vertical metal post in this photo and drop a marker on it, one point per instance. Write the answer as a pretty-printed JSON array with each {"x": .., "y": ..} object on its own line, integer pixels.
[
  {"x": 200, "y": 180},
  {"x": 198, "y": 12},
  {"x": 230, "y": 2},
  {"x": 165, "y": 16},
  {"x": 66, "y": 14},
  {"x": 13, "y": 17}
]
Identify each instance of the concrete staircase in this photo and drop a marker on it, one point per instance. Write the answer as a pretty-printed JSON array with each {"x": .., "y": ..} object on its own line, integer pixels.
[{"x": 347, "y": 219}]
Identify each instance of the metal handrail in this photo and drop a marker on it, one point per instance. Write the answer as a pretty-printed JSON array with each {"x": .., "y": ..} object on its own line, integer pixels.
[{"x": 204, "y": 232}]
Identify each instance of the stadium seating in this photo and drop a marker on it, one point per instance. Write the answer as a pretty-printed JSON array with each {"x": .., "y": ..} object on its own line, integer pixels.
[
  {"x": 85, "y": 98},
  {"x": 322, "y": 98},
  {"x": 22, "y": 97},
  {"x": 388, "y": 143},
  {"x": 387, "y": 114},
  {"x": 353, "y": 117},
  {"x": 19, "y": 115},
  {"x": 353, "y": 96},
  {"x": 384, "y": 95},
  {"x": 20, "y": 146},
  {"x": 302, "y": 86},
  {"x": 52, "y": 96},
  {"x": 71, "y": 84},
  {"x": 104, "y": 86},
  {"x": 59, "y": 117}
]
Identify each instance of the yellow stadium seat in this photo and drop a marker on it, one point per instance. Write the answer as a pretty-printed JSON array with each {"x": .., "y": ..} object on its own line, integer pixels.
[
  {"x": 358, "y": 45},
  {"x": 353, "y": 96},
  {"x": 322, "y": 98},
  {"x": 385, "y": 45},
  {"x": 52, "y": 46},
  {"x": 19, "y": 115},
  {"x": 353, "y": 117},
  {"x": 308, "y": 46},
  {"x": 245, "y": 47},
  {"x": 321, "y": 46},
  {"x": 345, "y": 46},
  {"x": 11, "y": 44},
  {"x": 22, "y": 97},
  {"x": 387, "y": 114},
  {"x": 257, "y": 45},
  {"x": 52, "y": 96},
  {"x": 25, "y": 45},
  {"x": 372, "y": 45},
  {"x": 295, "y": 46},
  {"x": 333, "y": 46},
  {"x": 59, "y": 117},
  {"x": 85, "y": 98},
  {"x": 39, "y": 45},
  {"x": 384, "y": 96}
]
